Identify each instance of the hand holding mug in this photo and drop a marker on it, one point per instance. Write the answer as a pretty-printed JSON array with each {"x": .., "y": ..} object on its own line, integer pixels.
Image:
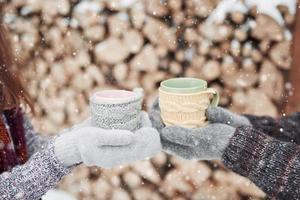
[
  {"x": 204, "y": 143},
  {"x": 100, "y": 147},
  {"x": 117, "y": 132},
  {"x": 187, "y": 137}
]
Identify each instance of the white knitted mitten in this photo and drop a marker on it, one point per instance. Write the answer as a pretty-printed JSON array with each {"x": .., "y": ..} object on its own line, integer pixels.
[{"x": 107, "y": 148}]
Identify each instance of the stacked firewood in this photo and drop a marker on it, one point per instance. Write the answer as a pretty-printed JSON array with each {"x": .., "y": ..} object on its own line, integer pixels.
[{"x": 71, "y": 48}]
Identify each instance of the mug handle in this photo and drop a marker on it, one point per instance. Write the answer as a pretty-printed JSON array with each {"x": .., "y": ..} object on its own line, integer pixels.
[{"x": 216, "y": 96}]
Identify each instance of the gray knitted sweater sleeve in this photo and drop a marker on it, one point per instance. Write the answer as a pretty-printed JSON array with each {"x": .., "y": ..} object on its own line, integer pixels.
[
  {"x": 284, "y": 128},
  {"x": 273, "y": 165},
  {"x": 33, "y": 179},
  {"x": 39, "y": 174},
  {"x": 35, "y": 141}
]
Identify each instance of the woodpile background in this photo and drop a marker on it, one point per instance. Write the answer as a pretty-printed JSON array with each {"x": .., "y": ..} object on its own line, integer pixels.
[{"x": 70, "y": 48}]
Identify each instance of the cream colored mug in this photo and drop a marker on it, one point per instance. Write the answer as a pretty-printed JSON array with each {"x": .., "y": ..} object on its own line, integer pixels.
[{"x": 183, "y": 101}]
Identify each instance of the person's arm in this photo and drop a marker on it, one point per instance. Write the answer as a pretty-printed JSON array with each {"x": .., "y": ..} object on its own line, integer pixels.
[
  {"x": 34, "y": 141},
  {"x": 284, "y": 128},
  {"x": 33, "y": 179},
  {"x": 273, "y": 165}
]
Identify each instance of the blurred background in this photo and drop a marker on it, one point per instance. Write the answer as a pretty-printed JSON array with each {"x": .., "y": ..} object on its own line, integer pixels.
[{"x": 70, "y": 48}]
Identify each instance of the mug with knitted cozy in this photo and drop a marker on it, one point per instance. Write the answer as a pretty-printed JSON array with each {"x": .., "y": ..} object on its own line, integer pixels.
[
  {"x": 116, "y": 109},
  {"x": 183, "y": 101}
]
